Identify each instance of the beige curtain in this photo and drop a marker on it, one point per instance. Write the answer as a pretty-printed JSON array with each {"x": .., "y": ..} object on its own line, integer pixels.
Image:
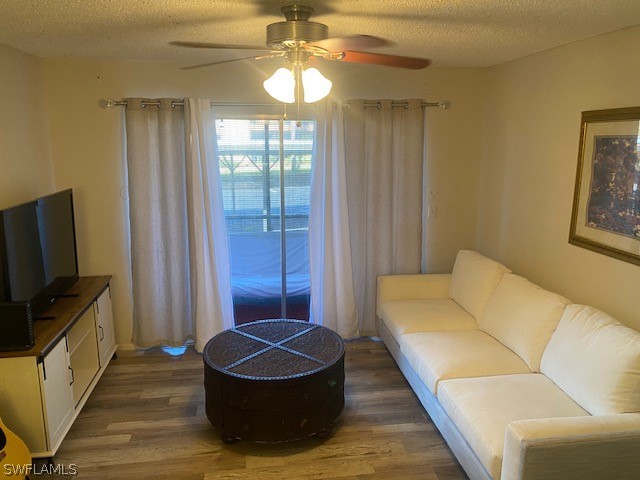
[
  {"x": 162, "y": 312},
  {"x": 384, "y": 155},
  {"x": 179, "y": 252}
]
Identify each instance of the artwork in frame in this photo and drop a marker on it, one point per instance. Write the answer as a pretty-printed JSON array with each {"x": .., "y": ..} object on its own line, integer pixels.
[{"x": 606, "y": 201}]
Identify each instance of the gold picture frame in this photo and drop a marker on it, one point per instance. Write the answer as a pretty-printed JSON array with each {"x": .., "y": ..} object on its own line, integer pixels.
[{"x": 606, "y": 201}]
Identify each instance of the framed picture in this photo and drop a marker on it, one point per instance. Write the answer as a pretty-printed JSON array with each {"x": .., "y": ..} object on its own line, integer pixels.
[{"x": 606, "y": 199}]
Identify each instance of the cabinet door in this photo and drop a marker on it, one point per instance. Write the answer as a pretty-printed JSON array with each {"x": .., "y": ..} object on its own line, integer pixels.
[
  {"x": 104, "y": 326},
  {"x": 55, "y": 377},
  {"x": 83, "y": 353}
]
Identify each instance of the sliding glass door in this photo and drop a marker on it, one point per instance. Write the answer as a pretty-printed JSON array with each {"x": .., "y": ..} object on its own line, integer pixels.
[{"x": 265, "y": 166}]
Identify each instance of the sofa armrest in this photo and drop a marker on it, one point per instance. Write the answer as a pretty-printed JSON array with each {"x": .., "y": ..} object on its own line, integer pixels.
[
  {"x": 412, "y": 287},
  {"x": 573, "y": 448}
]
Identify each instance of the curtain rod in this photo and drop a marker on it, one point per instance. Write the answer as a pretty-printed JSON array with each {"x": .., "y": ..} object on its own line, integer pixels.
[
  {"x": 442, "y": 104},
  {"x": 117, "y": 103}
]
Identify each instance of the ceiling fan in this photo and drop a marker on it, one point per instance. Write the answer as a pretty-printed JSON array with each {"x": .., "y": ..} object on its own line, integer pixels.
[{"x": 300, "y": 41}]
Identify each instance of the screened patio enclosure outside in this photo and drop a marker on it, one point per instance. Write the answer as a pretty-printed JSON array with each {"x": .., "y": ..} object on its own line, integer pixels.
[{"x": 265, "y": 167}]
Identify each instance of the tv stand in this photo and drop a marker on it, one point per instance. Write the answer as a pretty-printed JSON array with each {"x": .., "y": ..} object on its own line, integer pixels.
[{"x": 44, "y": 388}]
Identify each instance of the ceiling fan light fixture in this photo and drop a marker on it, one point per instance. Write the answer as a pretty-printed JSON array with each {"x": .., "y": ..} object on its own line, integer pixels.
[
  {"x": 281, "y": 85},
  {"x": 297, "y": 39},
  {"x": 316, "y": 86}
]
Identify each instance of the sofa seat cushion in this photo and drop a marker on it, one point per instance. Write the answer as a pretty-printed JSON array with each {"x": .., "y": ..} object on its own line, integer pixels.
[
  {"x": 473, "y": 280},
  {"x": 523, "y": 316},
  {"x": 481, "y": 408},
  {"x": 429, "y": 315},
  {"x": 437, "y": 356},
  {"x": 596, "y": 360}
]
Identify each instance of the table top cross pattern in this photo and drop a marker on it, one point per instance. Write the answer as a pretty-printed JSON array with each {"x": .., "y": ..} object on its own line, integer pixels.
[{"x": 274, "y": 349}]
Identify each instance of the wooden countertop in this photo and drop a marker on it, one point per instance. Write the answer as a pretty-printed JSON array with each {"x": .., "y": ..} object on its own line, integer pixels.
[{"x": 66, "y": 311}]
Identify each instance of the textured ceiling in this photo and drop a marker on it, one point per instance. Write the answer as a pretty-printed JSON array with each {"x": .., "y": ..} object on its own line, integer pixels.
[{"x": 449, "y": 32}]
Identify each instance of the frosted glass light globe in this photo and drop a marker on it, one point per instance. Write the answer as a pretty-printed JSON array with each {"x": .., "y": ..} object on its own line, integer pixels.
[
  {"x": 315, "y": 85},
  {"x": 281, "y": 85}
]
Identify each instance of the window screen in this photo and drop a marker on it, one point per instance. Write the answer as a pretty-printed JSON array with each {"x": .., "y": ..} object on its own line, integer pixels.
[{"x": 249, "y": 155}]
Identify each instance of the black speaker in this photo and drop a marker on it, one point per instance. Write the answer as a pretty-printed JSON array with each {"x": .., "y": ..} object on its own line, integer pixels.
[{"x": 16, "y": 326}]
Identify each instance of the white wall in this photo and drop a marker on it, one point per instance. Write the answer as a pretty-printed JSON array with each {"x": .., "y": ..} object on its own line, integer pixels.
[
  {"x": 529, "y": 165},
  {"x": 87, "y": 145},
  {"x": 25, "y": 162}
]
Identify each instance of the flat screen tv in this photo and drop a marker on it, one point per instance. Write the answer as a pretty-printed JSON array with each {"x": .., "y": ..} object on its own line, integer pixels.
[{"x": 38, "y": 256}]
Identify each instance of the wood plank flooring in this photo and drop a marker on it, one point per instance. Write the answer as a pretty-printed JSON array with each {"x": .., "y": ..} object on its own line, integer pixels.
[{"x": 146, "y": 420}]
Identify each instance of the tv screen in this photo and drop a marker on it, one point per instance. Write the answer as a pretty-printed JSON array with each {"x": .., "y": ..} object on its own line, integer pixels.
[{"x": 38, "y": 250}]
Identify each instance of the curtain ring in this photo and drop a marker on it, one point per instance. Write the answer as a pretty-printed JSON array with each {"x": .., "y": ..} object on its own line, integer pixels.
[
  {"x": 142, "y": 104},
  {"x": 173, "y": 105}
]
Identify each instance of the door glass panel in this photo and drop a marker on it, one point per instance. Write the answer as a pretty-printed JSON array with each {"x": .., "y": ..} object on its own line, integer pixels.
[
  {"x": 298, "y": 153},
  {"x": 251, "y": 172}
]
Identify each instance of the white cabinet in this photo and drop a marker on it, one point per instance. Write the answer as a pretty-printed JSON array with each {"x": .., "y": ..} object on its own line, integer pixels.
[
  {"x": 42, "y": 390},
  {"x": 104, "y": 327},
  {"x": 83, "y": 353},
  {"x": 57, "y": 391}
]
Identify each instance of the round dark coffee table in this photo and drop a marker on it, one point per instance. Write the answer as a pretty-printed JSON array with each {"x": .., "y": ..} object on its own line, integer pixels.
[{"x": 274, "y": 381}]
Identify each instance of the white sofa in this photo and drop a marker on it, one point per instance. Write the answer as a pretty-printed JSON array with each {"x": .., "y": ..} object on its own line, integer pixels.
[{"x": 521, "y": 383}]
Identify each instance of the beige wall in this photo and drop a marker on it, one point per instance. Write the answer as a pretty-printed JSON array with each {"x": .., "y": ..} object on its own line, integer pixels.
[
  {"x": 529, "y": 164},
  {"x": 522, "y": 118},
  {"x": 25, "y": 163},
  {"x": 87, "y": 145}
]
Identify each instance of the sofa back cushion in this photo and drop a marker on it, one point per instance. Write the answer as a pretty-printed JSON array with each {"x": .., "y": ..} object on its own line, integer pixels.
[
  {"x": 523, "y": 316},
  {"x": 595, "y": 360},
  {"x": 473, "y": 280}
]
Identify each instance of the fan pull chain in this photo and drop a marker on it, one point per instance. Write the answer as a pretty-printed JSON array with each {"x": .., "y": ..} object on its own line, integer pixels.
[{"x": 298, "y": 84}]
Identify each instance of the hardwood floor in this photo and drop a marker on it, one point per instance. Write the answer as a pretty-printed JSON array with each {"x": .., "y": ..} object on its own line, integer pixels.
[{"x": 146, "y": 420}]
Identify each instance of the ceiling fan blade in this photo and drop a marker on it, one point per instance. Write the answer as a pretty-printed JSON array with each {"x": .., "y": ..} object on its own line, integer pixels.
[
  {"x": 259, "y": 57},
  {"x": 381, "y": 59},
  {"x": 339, "y": 44},
  {"x": 217, "y": 45}
]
